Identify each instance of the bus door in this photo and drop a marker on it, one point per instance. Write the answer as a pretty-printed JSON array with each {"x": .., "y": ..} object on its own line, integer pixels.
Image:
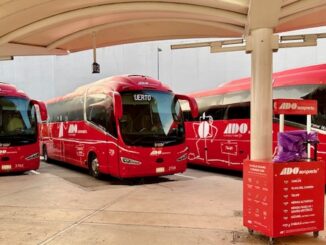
[
  {"x": 72, "y": 146},
  {"x": 214, "y": 136},
  {"x": 48, "y": 132},
  {"x": 236, "y": 142},
  {"x": 200, "y": 137},
  {"x": 58, "y": 143},
  {"x": 75, "y": 131},
  {"x": 54, "y": 144},
  {"x": 57, "y": 128},
  {"x": 236, "y": 135},
  {"x": 210, "y": 139},
  {"x": 112, "y": 155},
  {"x": 100, "y": 113},
  {"x": 218, "y": 157}
]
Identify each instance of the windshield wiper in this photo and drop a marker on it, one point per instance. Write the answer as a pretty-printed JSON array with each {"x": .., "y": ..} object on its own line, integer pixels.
[
  {"x": 165, "y": 140},
  {"x": 16, "y": 137},
  {"x": 140, "y": 138}
]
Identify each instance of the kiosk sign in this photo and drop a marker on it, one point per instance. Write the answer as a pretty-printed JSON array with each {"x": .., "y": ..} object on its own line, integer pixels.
[
  {"x": 299, "y": 201},
  {"x": 284, "y": 199},
  {"x": 295, "y": 107}
]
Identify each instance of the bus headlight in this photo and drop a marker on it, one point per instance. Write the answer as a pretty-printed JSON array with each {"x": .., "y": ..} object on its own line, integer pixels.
[
  {"x": 33, "y": 156},
  {"x": 129, "y": 161},
  {"x": 183, "y": 157}
]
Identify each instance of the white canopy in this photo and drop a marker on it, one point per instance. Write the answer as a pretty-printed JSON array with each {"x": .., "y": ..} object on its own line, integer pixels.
[
  {"x": 37, "y": 27},
  {"x": 34, "y": 27}
]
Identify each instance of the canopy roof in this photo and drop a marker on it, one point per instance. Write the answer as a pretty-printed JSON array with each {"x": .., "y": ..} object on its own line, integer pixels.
[{"x": 36, "y": 27}]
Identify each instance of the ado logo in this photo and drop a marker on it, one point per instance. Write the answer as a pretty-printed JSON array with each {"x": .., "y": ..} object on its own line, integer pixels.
[
  {"x": 288, "y": 106},
  {"x": 289, "y": 171},
  {"x": 296, "y": 170},
  {"x": 235, "y": 128},
  {"x": 73, "y": 129}
]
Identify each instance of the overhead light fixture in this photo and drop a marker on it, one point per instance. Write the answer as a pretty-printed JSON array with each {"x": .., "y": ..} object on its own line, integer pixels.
[
  {"x": 158, "y": 62},
  {"x": 304, "y": 40},
  {"x": 95, "y": 65}
]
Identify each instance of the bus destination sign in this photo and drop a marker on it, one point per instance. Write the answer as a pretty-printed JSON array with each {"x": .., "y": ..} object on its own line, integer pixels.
[{"x": 142, "y": 97}]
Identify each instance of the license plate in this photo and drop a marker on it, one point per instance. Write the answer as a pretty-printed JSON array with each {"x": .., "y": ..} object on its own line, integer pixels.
[
  {"x": 160, "y": 170},
  {"x": 6, "y": 167}
]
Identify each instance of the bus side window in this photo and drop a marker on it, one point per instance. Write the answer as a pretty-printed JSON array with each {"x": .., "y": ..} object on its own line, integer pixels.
[
  {"x": 54, "y": 112},
  {"x": 300, "y": 119},
  {"x": 97, "y": 115},
  {"x": 238, "y": 111},
  {"x": 217, "y": 113},
  {"x": 99, "y": 110},
  {"x": 187, "y": 116},
  {"x": 320, "y": 118},
  {"x": 319, "y": 94},
  {"x": 32, "y": 116},
  {"x": 1, "y": 119},
  {"x": 75, "y": 109},
  {"x": 111, "y": 126},
  {"x": 58, "y": 110}
]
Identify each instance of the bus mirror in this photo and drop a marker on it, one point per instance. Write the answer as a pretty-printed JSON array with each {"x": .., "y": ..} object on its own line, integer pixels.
[
  {"x": 117, "y": 106},
  {"x": 42, "y": 109},
  {"x": 192, "y": 103}
]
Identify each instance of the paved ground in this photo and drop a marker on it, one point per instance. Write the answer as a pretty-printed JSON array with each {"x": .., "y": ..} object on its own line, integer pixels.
[{"x": 63, "y": 205}]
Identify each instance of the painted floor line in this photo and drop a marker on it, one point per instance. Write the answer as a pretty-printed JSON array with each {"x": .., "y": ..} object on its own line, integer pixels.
[
  {"x": 34, "y": 172},
  {"x": 186, "y": 176}
]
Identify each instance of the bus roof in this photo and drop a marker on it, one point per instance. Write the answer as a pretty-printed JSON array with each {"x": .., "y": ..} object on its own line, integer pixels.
[
  {"x": 7, "y": 89},
  {"x": 299, "y": 76},
  {"x": 118, "y": 84}
]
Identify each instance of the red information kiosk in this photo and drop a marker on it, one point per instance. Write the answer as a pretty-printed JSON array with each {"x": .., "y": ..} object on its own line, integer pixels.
[{"x": 283, "y": 199}]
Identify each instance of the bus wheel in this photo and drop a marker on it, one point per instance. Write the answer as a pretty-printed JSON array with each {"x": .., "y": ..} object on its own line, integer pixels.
[
  {"x": 45, "y": 154},
  {"x": 94, "y": 167}
]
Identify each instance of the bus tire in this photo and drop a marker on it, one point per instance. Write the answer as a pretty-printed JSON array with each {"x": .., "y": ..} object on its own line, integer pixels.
[
  {"x": 45, "y": 154},
  {"x": 93, "y": 166}
]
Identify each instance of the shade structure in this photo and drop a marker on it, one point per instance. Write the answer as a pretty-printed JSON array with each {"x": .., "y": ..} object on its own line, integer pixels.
[
  {"x": 45, "y": 27},
  {"x": 58, "y": 27}
]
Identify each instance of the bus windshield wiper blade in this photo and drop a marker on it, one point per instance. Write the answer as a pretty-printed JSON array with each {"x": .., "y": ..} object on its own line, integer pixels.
[
  {"x": 140, "y": 138},
  {"x": 16, "y": 137}
]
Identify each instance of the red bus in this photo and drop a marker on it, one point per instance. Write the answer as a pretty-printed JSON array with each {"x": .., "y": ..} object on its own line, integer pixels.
[
  {"x": 19, "y": 144},
  {"x": 125, "y": 126},
  {"x": 220, "y": 136}
]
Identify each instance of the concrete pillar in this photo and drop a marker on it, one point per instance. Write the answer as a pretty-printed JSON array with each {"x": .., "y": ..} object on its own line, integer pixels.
[{"x": 261, "y": 94}]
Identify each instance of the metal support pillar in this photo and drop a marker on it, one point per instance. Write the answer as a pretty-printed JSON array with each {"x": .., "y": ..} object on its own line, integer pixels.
[
  {"x": 261, "y": 94},
  {"x": 309, "y": 131}
]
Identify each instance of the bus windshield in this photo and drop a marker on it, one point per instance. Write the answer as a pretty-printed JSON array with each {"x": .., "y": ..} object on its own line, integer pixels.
[
  {"x": 151, "y": 118},
  {"x": 17, "y": 121}
]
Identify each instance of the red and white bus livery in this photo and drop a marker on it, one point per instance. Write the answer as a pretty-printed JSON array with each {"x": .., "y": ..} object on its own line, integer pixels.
[
  {"x": 125, "y": 126},
  {"x": 19, "y": 144},
  {"x": 220, "y": 136}
]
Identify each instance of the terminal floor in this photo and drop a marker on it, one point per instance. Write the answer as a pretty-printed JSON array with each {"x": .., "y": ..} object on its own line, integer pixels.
[{"x": 60, "y": 205}]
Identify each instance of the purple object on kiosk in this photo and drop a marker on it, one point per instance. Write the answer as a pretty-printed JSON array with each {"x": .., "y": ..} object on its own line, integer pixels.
[{"x": 292, "y": 145}]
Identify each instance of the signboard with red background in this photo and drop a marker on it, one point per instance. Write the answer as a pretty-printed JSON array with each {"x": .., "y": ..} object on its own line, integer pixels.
[
  {"x": 295, "y": 107},
  {"x": 283, "y": 199}
]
